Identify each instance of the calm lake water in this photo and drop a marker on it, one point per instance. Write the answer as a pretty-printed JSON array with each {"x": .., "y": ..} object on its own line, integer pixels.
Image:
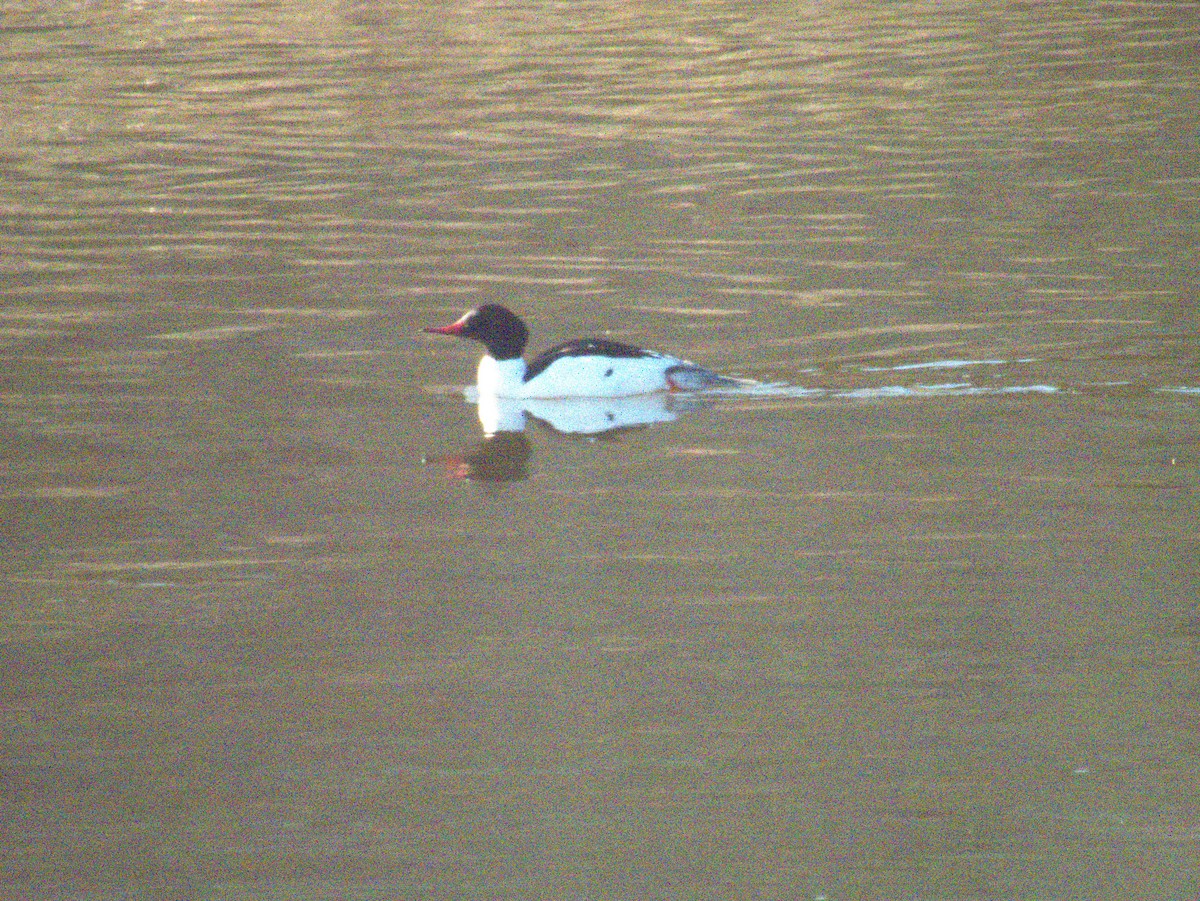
[{"x": 915, "y": 616}]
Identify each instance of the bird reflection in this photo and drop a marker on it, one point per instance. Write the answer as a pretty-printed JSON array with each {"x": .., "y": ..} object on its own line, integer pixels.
[
  {"x": 503, "y": 454},
  {"x": 503, "y": 457},
  {"x": 590, "y": 416}
]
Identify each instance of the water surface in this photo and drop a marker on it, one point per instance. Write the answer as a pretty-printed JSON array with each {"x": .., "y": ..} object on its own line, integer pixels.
[{"x": 915, "y": 617}]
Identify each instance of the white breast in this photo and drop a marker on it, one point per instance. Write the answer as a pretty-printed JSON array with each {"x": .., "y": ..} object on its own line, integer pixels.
[{"x": 501, "y": 378}]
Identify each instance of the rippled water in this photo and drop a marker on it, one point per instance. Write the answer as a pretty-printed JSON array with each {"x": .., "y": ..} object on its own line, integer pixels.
[{"x": 910, "y": 614}]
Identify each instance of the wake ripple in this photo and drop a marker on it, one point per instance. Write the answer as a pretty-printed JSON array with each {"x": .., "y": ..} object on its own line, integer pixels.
[{"x": 752, "y": 388}]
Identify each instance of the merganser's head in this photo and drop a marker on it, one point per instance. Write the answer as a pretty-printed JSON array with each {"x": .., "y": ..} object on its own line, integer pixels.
[{"x": 497, "y": 328}]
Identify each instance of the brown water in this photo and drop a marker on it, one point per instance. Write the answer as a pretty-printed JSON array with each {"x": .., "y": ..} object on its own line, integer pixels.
[{"x": 919, "y": 620}]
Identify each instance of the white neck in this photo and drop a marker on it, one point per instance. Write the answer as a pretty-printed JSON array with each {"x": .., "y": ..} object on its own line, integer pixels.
[{"x": 501, "y": 378}]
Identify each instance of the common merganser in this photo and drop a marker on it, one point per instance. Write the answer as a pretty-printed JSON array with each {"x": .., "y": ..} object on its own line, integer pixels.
[{"x": 586, "y": 367}]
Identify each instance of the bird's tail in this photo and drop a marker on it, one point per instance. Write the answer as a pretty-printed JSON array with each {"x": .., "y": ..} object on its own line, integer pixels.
[{"x": 690, "y": 377}]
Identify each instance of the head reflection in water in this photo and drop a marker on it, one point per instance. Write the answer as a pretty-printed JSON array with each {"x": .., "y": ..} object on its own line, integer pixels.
[{"x": 503, "y": 457}]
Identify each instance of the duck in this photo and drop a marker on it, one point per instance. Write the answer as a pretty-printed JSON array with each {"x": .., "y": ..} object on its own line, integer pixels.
[{"x": 585, "y": 367}]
